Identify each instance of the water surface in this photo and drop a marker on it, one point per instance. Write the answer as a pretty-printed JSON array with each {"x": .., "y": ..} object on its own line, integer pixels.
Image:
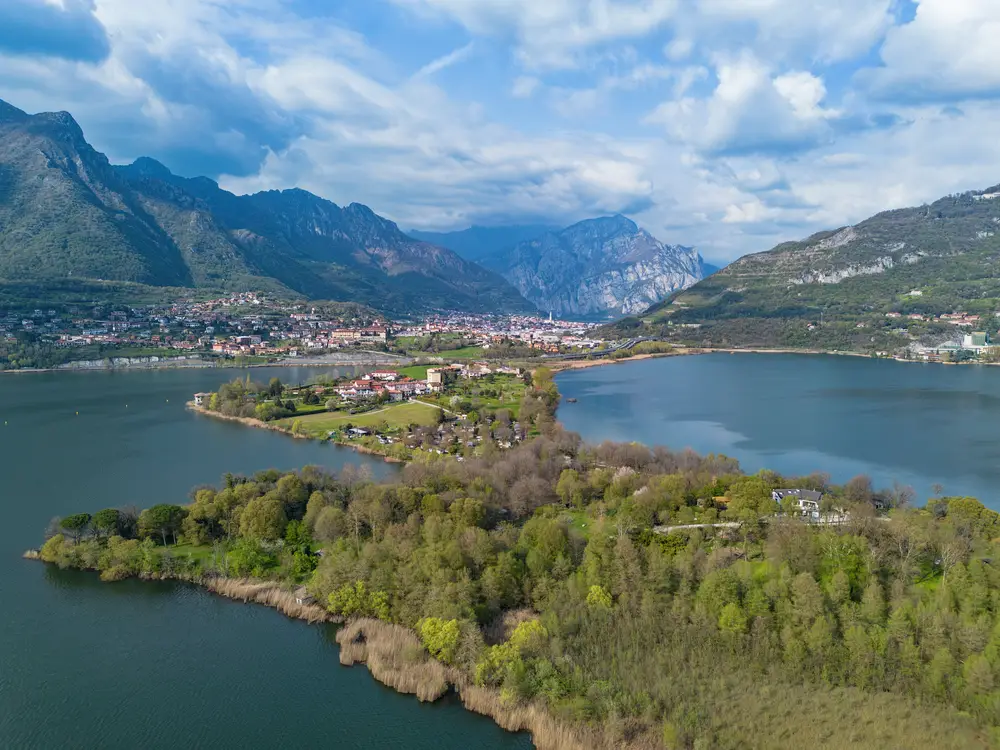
[
  {"x": 919, "y": 424},
  {"x": 84, "y": 664}
]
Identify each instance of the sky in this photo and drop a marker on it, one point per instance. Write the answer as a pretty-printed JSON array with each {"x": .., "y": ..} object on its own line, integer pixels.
[{"x": 729, "y": 125}]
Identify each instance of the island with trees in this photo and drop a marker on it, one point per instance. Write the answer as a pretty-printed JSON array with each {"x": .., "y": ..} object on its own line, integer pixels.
[{"x": 613, "y": 595}]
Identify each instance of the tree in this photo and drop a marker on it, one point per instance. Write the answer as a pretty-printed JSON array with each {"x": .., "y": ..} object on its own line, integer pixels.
[
  {"x": 570, "y": 488},
  {"x": 275, "y": 388},
  {"x": 440, "y": 637},
  {"x": 264, "y": 518},
  {"x": 76, "y": 525},
  {"x": 732, "y": 619},
  {"x": 162, "y": 519},
  {"x": 107, "y": 522}
]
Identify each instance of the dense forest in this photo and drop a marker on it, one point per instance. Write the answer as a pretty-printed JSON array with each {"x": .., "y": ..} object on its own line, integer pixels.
[{"x": 555, "y": 575}]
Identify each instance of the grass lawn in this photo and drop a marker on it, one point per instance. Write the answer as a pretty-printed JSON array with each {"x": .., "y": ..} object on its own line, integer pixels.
[
  {"x": 301, "y": 408},
  {"x": 579, "y": 520},
  {"x": 493, "y": 393},
  {"x": 417, "y": 372},
  {"x": 398, "y": 416},
  {"x": 198, "y": 552}
]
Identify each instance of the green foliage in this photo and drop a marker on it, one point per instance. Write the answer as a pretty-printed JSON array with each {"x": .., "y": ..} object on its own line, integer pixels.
[
  {"x": 440, "y": 637},
  {"x": 76, "y": 524},
  {"x": 599, "y": 598},
  {"x": 357, "y": 601},
  {"x": 163, "y": 520},
  {"x": 248, "y": 557},
  {"x": 881, "y": 628},
  {"x": 107, "y": 521}
]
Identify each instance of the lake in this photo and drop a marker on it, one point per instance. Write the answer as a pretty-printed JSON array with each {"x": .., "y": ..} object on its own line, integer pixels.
[
  {"x": 918, "y": 424},
  {"x": 85, "y": 664}
]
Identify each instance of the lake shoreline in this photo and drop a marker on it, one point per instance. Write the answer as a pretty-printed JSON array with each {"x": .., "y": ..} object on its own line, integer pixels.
[
  {"x": 260, "y": 425},
  {"x": 558, "y": 367},
  {"x": 385, "y": 650},
  {"x": 247, "y": 590},
  {"x": 375, "y": 359}
]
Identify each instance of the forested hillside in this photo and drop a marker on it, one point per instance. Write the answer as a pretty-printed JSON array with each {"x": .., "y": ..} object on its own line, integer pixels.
[
  {"x": 67, "y": 215},
  {"x": 835, "y": 289}
]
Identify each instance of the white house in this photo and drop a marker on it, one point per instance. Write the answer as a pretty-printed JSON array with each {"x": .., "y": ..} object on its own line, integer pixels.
[{"x": 807, "y": 501}]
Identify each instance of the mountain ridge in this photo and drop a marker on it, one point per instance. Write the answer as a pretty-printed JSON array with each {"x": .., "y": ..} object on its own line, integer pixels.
[
  {"x": 66, "y": 212},
  {"x": 848, "y": 287},
  {"x": 594, "y": 268},
  {"x": 599, "y": 267}
]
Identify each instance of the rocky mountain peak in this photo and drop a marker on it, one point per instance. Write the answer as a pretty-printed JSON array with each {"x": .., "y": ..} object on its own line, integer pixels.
[
  {"x": 10, "y": 113},
  {"x": 605, "y": 226},
  {"x": 144, "y": 166}
]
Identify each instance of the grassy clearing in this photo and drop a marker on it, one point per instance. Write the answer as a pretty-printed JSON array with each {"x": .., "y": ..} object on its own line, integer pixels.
[
  {"x": 580, "y": 521},
  {"x": 201, "y": 553},
  {"x": 417, "y": 372},
  {"x": 493, "y": 392},
  {"x": 396, "y": 416}
]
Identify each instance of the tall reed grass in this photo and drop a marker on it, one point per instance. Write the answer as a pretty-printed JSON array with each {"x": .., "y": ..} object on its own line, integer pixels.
[
  {"x": 269, "y": 594},
  {"x": 394, "y": 656}
]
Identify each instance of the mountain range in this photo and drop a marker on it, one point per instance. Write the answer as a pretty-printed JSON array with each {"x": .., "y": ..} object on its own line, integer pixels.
[
  {"x": 480, "y": 244},
  {"x": 849, "y": 287},
  {"x": 596, "y": 268},
  {"x": 67, "y": 213}
]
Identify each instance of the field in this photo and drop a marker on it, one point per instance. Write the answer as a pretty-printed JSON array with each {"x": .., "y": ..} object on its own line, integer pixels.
[
  {"x": 396, "y": 416},
  {"x": 416, "y": 372},
  {"x": 492, "y": 392}
]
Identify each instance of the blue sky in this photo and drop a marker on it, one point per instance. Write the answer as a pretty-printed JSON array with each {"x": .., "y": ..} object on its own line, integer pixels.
[{"x": 730, "y": 125}]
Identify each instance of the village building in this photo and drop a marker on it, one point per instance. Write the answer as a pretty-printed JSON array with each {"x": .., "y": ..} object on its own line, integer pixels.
[{"x": 806, "y": 501}]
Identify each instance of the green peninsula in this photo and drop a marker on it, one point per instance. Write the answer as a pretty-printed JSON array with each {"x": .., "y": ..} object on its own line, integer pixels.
[{"x": 613, "y": 596}]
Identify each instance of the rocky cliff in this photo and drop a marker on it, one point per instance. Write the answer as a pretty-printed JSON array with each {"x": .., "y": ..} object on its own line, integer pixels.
[{"x": 599, "y": 267}]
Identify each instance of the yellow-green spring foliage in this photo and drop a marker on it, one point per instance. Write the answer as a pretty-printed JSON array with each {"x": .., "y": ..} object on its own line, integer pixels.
[
  {"x": 440, "y": 637},
  {"x": 357, "y": 601},
  {"x": 505, "y": 658}
]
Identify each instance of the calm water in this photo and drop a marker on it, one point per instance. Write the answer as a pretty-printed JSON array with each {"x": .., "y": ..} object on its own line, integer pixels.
[
  {"x": 913, "y": 423},
  {"x": 140, "y": 665}
]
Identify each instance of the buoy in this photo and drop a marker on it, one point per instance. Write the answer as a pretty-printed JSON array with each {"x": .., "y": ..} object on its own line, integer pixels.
[{"x": 78, "y": 414}]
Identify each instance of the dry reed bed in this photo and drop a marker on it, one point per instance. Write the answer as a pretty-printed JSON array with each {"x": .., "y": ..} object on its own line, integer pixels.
[
  {"x": 395, "y": 657},
  {"x": 269, "y": 594}
]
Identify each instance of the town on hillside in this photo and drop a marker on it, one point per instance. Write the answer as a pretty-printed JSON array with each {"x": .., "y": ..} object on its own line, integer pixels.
[{"x": 253, "y": 328}]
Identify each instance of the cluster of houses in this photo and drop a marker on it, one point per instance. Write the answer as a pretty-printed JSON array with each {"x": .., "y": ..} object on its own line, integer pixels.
[
  {"x": 400, "y": 387},
  {"x": 395, "y": 386}
]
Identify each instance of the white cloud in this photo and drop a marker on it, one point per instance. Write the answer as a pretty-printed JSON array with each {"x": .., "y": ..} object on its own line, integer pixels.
[
  {"x": 800, "y": 29},
  {"x": 446, "y": 61},
  {"x": 552, "y": 33},
  {"x": 766, "y": 140},
  {"x": 750, "y": 109},
  {"x": 524, "y": 87},
  {"x": 947, "y": 52}
]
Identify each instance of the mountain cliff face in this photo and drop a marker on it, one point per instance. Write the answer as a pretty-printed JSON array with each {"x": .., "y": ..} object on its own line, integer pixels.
[
  {"x": 65, "y": 212},
  {"x": 837, "y": 288},
  {"x": 598, "y": 267}
]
